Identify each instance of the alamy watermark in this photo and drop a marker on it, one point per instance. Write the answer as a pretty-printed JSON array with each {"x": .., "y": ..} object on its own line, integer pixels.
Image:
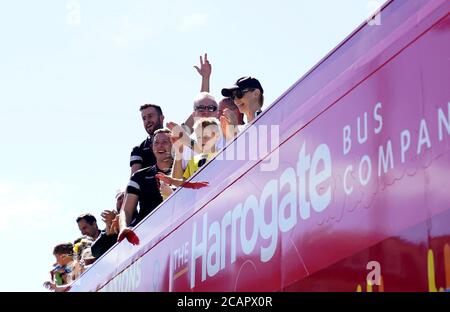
[{"x": 257, "y": 143}]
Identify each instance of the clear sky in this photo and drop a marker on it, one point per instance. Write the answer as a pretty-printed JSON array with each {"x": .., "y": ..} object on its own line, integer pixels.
[{"x": 74, "y": 73}]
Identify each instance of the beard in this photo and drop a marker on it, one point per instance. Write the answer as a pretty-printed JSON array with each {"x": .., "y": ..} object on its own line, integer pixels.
[{"x": 155, "y": 127}]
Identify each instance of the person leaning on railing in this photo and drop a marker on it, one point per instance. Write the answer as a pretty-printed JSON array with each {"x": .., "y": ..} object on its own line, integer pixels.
[
  {"x": 143, "y": 187},
  {"x": 108, "y": 236},
  {"x": 207, "y": 131},
  {"x": 248, "y": 95},
  {"x": 61, "y": 274},
  {"x": 87, "y": 224}
]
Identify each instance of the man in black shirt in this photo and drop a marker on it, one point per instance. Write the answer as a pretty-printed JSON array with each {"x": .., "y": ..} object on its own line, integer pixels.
[
  {"x": 108, "y": 237},
  {"x": 87, "y": 224},
  {"x": 144, "y": 187},
  {"x": 142, "y": 156}
]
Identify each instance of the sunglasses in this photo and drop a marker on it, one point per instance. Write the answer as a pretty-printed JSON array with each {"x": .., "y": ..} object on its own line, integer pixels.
[
  {"x": 204, "y": 108},
  {"x": 239, "y": 94}
]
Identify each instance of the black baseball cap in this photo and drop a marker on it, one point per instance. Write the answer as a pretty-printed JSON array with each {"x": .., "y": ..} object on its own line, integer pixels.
[{"x": 242, "y": 83}]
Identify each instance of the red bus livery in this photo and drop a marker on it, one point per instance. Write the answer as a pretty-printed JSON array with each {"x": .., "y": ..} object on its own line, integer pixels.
[{"x": 358, "y": 200}]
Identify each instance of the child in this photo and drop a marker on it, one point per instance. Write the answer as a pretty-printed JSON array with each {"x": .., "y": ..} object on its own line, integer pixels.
[
  {"x": 80, "y": 246},
  {"x": 207, "y": 131},
  {"x": 61, "y": 274}
]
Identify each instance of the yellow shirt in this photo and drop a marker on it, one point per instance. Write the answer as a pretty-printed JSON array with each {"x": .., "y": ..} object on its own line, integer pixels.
[{"x": 193, "y": 164}]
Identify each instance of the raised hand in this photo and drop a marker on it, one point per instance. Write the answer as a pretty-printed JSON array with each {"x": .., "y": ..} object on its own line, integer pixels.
[
  {"x": 179, "y": 137},
  {"x": 229, "y": 124},
  {"x": 108, "y": 216},
  {"x": 205, "y": 67},
  {"x": 177, "y": 130}
]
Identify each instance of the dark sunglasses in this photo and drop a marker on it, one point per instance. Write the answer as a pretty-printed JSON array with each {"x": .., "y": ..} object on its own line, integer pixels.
[
  {"x": 239, "y": 94},
  {"x": 204, "y": 108}
]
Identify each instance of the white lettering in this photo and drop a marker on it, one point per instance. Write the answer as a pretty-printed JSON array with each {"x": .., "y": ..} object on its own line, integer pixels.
[
  {"x": 274, "y": 157},
  {"x": 269, "y": 230},
  {"x": 424, "y": 137},
  {"x": 226, "y": 222},
  {"x": 127, "y": 281},
  {"x": 289, "y": 200},
  {"x": 377, "y": 116},
  {"x": 235, "y": 216},
  {"x": 362, "y": 137},
  {"x": 303, "y": 166},
  {"x": 347, "y": 141},
  {"x": 385, "y": 160},
  {"x": 405, "y": 142},
  {"x": 199, "y": 250},
  {"x": 320, "y": 202},
  {"x": 214, "y": 249},
  {"x": 251, "y": 204},
  {"x": 263, "y": 217},
  {"x": 443, "y": 121},
  {"x": 252, "y": 135},
  {"x": 348, "y": 190},
  {"x": 365, "y": 180}
]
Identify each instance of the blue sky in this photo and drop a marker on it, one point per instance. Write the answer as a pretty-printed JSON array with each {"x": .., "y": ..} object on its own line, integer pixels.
[{"x": 74, "y": 73}]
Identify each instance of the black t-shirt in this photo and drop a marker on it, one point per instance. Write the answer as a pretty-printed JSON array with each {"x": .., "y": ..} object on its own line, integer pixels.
[
  {"x": 102, "y": 244},
  {"x": 143, "y": 154},
  {"x": 144, "y": 184}
]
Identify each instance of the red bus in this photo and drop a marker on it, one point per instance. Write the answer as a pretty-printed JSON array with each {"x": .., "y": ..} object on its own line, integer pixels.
[{"x": 342, "y": 184}]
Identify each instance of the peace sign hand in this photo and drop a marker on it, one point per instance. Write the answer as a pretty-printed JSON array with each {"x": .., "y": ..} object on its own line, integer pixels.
[{"x": 205, "y": 67}]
